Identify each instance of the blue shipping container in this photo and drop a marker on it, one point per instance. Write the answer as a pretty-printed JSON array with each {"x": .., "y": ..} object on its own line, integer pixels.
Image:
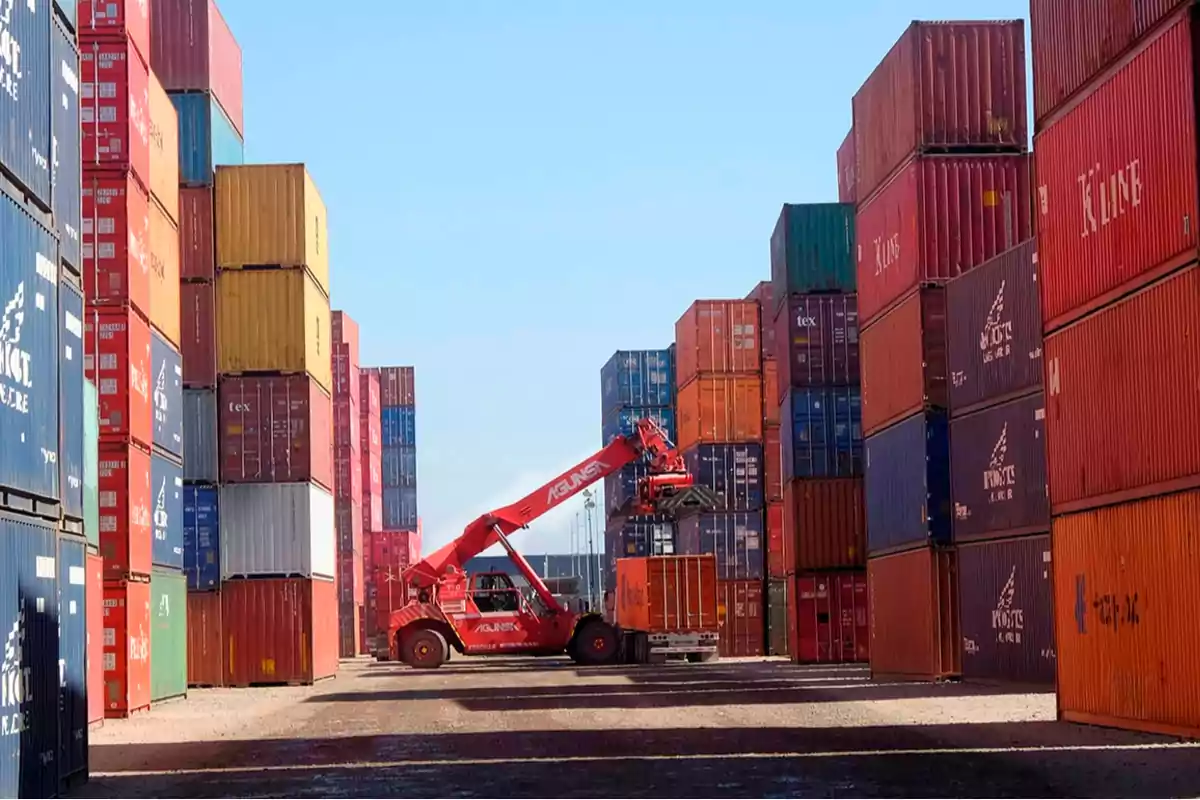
[
  {"x": 733, "y": 471},
  {"x": 637, "y": 378},
  {"x": 207, "y": 139},
  {"x": 399, "y": 466},
  {"x": 400, "y": 508},
  {"x": 167, "y": 367},
  {"x": 908, "y": 484},
  {"x": 68, "y": 11},
  {"x": 621, "y": 486},
  {"x": 735, "y": 537},
  {"x": 25, "y": 91},
  {"x": 636, "y": 537},
  {"x": 201, "y": 538},
  {"x": 29, "y": 343},
  {"x": 166, "y": 489},
  {"x": 70, "y": 399},
  {"x": 72, "y": 657},
  {"x": 67, "y": 146},
  {"x": 398, "y": 426},
  {"x": 623, "y": 421},
  {"x": 29, "y": 617},
  {"x": 826, "y": 433}
]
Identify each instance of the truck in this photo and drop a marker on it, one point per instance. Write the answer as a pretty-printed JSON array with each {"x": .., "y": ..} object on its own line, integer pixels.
[{"x": 667, "y": 607}]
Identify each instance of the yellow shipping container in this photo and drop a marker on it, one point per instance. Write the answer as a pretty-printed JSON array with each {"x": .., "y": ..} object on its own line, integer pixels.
[
  {"x": 164, "y": 274},
  {"x": 273, "y": 320},
  {"x": 271, "y": 215},
  {"x": 164, "y": 150}
]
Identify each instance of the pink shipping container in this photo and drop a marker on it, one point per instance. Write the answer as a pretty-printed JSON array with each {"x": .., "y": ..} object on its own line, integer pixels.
[
  {"x": 279, "y": 631},
  {"x": 942, "y": 86},
  {"x": 904, "y": 360},
  {"x": 346, "y": 423},
  {"x": 397, "y": 386},
  {"x": 348, "y": 474},
  {"x": 193, "y": 50},
  {"x": 1119, "y": 210},
  {"x": 116, "y": 19},
  {"x": 197, "y": 253},
  {"x": 717, "y": 336},
  {"x": 370, "y": 450},
  {"x": 346, "y": 383},
  {"x": 197, "y": 334},
  {"x": 847, "y": 158}
]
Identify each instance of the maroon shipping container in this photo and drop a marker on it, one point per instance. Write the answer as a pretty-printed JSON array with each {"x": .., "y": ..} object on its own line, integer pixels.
[
  {"x": 205, "y": 640},
  {"x": 346, "y": 423},
  {"x": 348, "y": 474},
  {"x": 913, "y": 604},
  {"x": 998, "y": 470},
  {"x": 1121, "y": 419},
  {"x": 275, "y": 429},
  {"x": 279, "y": 631},
  {"x": 764, "y": 295},
  {"x": 994, "y": 326},
  {"x": 192, "y": 49},
  {"x": 1119, "y": 210},
  {"x": 829, "y": 619},
  {"x": 198, "y": 334},
  {"x": 938, "y": 218},
  {"x": 347, "y": 383},
  {"x": 1006, "y": 611},
  {"x": 824, "y": 524},
  {"x": 847, "y": 166},
  {"x": 348, "y": 519},
  {"x": 942, "y": 86},
  {"x": 197, "y": 250},
  {"x": 904, "y": 360},
  {"x": 742, "y": 627},
  {"x": 397, "y": 386},
  {"x": 345, "y": 331},
  {"x": 817, "y": 341}
]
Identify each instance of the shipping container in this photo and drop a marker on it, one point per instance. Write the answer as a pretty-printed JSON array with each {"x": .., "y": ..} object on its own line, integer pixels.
[
  {"x": 200, "y": 448},
  {"x": 279, "y": 631},
  {"x": 776, "y": 617},
  {"x": 346, "y": 419},
  {"x": 733, "y": 471},
  {"x": 126, "y": 647},
  {"x": 347, "y": 467},
  {"x": 830, "y": 618},
  {"x": 345, "y": 332},
  {"x": 623, "y": 422},
  {"x": 164, "y": 309},
  {"x": 72, "y": 757},
  {"x": 772, "y": 463},
  {"x": 913, "y": 602},
  {"x": 116, "y": 240},
  {"x": 72, "y": 409},
  {"x": 818, "y": 342},
  {"x": 620, "y": 487},
  {"x": 348, "y": 630},
  {"x": 67, "y": 11},
  {"x": 348, "y": 521},
  {"x": 667, "y": 594},
  {"x": 167, "y": 370},
  {"x": 205, "y": 640},
  {"x": 904, "y": 360},
  {"x": 637, "y": 378},
  {"x": 1124, "y": 577},
  {"x": 1101, "y": 232},
  {"x": 66, "y": 146},
  {"x": 847, "y": 165},
  {"x": 25, "y": 104},
  {"x": 276, "y": 529},
  {"x": 998, "y": 471},
  {"x": 275, "y": 429},
  {"x": 763, "y": 294},
  {"x": 115, "y": 20},
  {"x": 198, "y": 334},
  {"x": 126, "y": 529},
  {"x": 825, "y": 427},
  {"x": 372, "y": 499},
  {"x": 721, "y": 336},
  {"x": 812, "y": 250},
  {"x": 118, "y": 359},
  {"x": 95, "y": 639},
  {"x": 719, "y": 409},
  {"x": 397, "y": 386},
  {"x": 192, "y": 49},
  {"x": 197, "y": 249},
  {"x": 91, "y": 464},
  {"x": 166, "y": 489},
  {"x": 908, "y": 484},
  {"x": 115, "y": 107},
  {"x": 273, "y": 321},
  {"x": 771, "y": 410},
  {"x": 168, "y": 634},
  {"x": 399, "y": 507},
  {"x": 207, "y": 138},
  {"x": 824, "y": 525},
  {"x": 736, "y": 538},
  {"x": 940, "y": 216},
  {"x": 776, "y": 566},
  {"x": 398, "y": 426},
  {"x": 742, "y": 629},
  {"x": 164, "y": 150},
  {"x": 201, "y": 537},
  {"x": 636, "y": 537},
  {"x": 399, "y": 466}
]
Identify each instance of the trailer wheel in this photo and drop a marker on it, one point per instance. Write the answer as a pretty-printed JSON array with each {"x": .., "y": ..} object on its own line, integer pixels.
[
  {"x": 595, "y": 643},
  {"x": 425, "y": 649}
]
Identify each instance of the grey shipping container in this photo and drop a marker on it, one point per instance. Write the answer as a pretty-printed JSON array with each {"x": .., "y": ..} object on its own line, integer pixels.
[
  {"x": 1006, "y": 599},
  {"x": 200, "y": 452},
  {"x": 777, "y": 618},
  {"x": 907, "y": 488},
  {"x": 67, "y": 146},
  {"x": 998, "y": 470},
  {"x": 72, "y": 657},
  {"x": 994, "y": 325},
  {"x": 167, "y": 369},
  {"x": 166, "y": 496},
  {"x": 71, "y": 412},
  {"x": 25, "y": 147}
]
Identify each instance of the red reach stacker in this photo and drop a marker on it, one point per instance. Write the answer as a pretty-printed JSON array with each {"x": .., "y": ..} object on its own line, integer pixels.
[{"x": 490, "y": 614}]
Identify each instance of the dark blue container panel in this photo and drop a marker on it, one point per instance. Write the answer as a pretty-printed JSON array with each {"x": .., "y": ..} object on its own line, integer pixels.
[
  {"x": 29, "y": 702},
  {"x": 72, "y": 656},
  {"x": 166, "y": 491},
  {"x": 168, "y": 396},
  {"x": 636, "y": 537},
  {"x": 207, "y": 139},
  {"x": 29, "y": 341},
  {"x": 908, "y": 484},
  {"x": 826, "y": 433},
  {"x": 733, "y": 471},
  {"x": 70, "y": 399},
  {"x": 201, "y": 538},
  {"x": 67, "y": 147},
  {"x": 398, "y": 426},
  {"x": 399, "y": 466},
  {"x": 621, "y": 486},
  {"x": 25, "y": 148},
  {"x": 637, "y": 378},
  {"x": 736, "y": 538},
  {"x": 400, "y": 508},
  {"x": 622, "y": 422},
  {"x": 69, "y": 11}
]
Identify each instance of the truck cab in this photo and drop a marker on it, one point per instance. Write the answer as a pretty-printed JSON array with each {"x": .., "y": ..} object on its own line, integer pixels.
[{"x": 492, "y": 613}]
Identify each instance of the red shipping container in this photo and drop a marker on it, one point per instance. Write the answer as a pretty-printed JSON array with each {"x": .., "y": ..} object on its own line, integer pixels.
[
  {"x": 904, "y": 360},
  {"x": 346, "y": 383},
  {"x": 349, "y": 522},
  {"x": 192, "y": 49},
  {"x": 1119, "y": 210},
  {"x": 348, "y": 630},
  {"x": 764, "y": 295},
  {"x": 206, "y": 643},
  {"x": 117, "y": 360},
  {"x": 392, "y": 551},
  {"x": 938, "y": 218},
  {"x": 126, "y": 647},
  {"x": 847, "y": 158},
  {"x": 275, "y": 429},
  {"x": 279, "y": 631},
  {"x": 115, "y": 19},
  {"x": 197, "y": 250},
  {"x": 772, "y": 464},
  {"x": 364, "y": 647},
  {"x": 828, "y": 614},
  {"x": 114, "y": 107},
  {"x": 717, "y": 336},
  {"x": 345, "y": 331},
  {"x": 777, "y": 566},
  {"x": 116, "y": 240},
  {"x": 824, "y": 524},
  {"x": 385, "y": 593},
  {"x": 397, "y": 386},
  {"x": 770, "y": 368},
  {"x": 350, "y": 578},
  {"x": 346, "y": 421},
  {"x": 198, "y": 334},
  {"x": 942, "y": 86},
  {"x": 95, "y": 637},
  {"x": 348, "y": 474},
  {"x": 126, "y": 535},
  {"x": 913, "y": 602},
  {"x": 742, "y": 626}
]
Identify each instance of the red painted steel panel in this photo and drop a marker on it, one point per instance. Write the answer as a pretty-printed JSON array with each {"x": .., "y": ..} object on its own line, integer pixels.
[
  {"x": 95, "y": 637},
  {"x": 717, "y": 336},
  {"x": 1121, "y": 416},
  {"x": 192, "y": 49},
  {"x": 824, "y": 524},
  {"x": 206, "y": 641},
  {"x": 114, "y": 107},
  {"x": 385, "y": 593},
  {"x": 938, "y": 218},
  {"x": 764, "y": 295},
  {"x": 913, "y": 604},
  {"x": 345, "y": 331},
  {"x": 198, "y": 334},
  {"x": 847, "y": 166},
  {"x": 126, "y": 648},
  {"x": 817, "y": 340},
  {"x": 115, "y": 20},
  {"x": 117, "y": 360},
  {"x": 126, "y": 537},
  {"x": 397, "y": 386},
  {"x": 197, "y": 249},
  {"x": 831, "y": 619},
  {"x": 391, "y": 551},
  {"x": 364, "y": 644},
  {"x": 742, "y": 626},
  {"x": 772, "y": 464},
  {"x": 777, "y": 566},
  {"x": 1117, "y": 210},
  {"x": 275, "y": 429},
  {"x": 347, "y": 464},
  {"x": 116, "y": 240},
  {"x": 349, "y": 623},
  {"x": 347, "y": 390},
  {"x": 279, "y": 630},
  {"x": 904, "y": 360},
  {"x": 771, "y": 410}
]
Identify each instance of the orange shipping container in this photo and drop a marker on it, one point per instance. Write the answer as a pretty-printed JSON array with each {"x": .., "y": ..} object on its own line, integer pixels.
[
  {"x": 205, "y": 650},
  {"x": 824, "y": 524},
  {"x": 743, "y": 629},
  {"x": 717, "y": 336},
  {"x": 903, "y": 357},
  {"x": 164, "y": 150},
  {"x": 1125, "y": 582},
  {"x": 720, "y": 409},
  {"x": 773, "y": 463},
  {"x": 164, "y": 275},
  {"x": 770, "y": 371},
  {"x": 667, "y": 594},
  {"x": 915, "y": 633}
]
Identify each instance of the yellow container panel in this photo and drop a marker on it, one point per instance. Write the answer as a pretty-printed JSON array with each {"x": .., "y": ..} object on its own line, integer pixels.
[
  {"x": 164, "y": 274},
  {"x": 164, "y": 150}
]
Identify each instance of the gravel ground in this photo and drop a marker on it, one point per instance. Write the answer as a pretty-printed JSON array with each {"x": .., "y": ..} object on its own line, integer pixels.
[{"x": 524, "y": 728}]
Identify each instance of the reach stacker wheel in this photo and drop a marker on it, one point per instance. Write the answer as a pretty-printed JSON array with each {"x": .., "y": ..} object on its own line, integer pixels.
[{"x": 425, "y": 649}]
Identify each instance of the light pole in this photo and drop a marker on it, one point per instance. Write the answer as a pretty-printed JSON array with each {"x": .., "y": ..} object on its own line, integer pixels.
[{"x": 589, "y": 503}]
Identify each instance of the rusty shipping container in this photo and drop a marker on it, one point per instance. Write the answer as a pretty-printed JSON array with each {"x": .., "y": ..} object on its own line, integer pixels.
[
  {"x": 904, "y": 360},
  {"x": 907, "y": 486},
  {"x": 164, "y": 150},
  {"x": 817, "y": 341},
  {"x": 279, "y": 631},
  {"x": 116, "y": 240},
  {"x": 719, "y": 409},
  {"x": 192, "y": 49},
  {"x": 829, "y": 618},
  {"x": 126, "y": 647},
  {"x": 126, "y": 534},
  {"x": 994, "y": 327},
  {"x": 939, "y": 217},
  {"x": 847, "y": 166},
  {"x": 197, "y": 250},
  {"x": 717, "y": 336},
  {"x": 764, "y": 294},
  {"x": 206, "y": 642},
  {"x": 913, "y": 605},
  {"x": 743, "y": 628},
  {"x": 1119, "y": 210},
  {"x": 772, "y": 463},
  {"x": 824, "y": 524},
  {"x": 164, "y": 310},
  {"x": 198, "y": 334},
  {"x": 667, "y": 594},
  {"x": 943, "y": 86}
]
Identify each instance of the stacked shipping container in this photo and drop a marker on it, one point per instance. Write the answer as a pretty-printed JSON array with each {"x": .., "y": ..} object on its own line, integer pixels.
[
  {"x": 370, "y": 437},
  {"x": 348, "y": 480}
]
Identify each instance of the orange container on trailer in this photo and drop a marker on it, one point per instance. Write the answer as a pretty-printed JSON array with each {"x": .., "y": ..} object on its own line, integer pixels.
[
  {"x": 913, "y": 602},
  {"x": 667, "y": 594},
  {"x": 722, "y": 336},
  {"x": 720, "y": 410},
  {"x": 126, "y": 647},
  {"x": 206, "y": 652}
]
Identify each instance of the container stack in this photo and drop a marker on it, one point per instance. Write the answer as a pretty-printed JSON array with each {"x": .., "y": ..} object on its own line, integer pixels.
[
  {"x": 1117, "y": 250},
  {"x": 941, "y": 188},
  {"x": 348, "y": 481},
  {"x": 370, "y": 436},
  {"x": 275, "y": 422}
]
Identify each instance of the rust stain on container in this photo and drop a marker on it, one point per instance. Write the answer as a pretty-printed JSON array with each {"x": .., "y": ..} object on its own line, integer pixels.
[
  {"x": 719, "y": 409},
  {"x": 915, "y": 629},
  {"x": 722, "y": 336},
  {"x": 904, "y": 360}
]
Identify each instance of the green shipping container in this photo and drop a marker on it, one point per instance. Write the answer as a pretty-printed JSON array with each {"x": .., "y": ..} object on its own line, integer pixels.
[
  {"x": 91, "y": 464},
  {"x": 168, "y": 634},
  {"x": 812, "y": 250}
]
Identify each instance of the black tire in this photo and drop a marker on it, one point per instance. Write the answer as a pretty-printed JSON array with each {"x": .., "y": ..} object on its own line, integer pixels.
[
  {"x": 425, "y": 649},
  {"x": 595, "y": 643},
  {"x": 701, "y": 658}
]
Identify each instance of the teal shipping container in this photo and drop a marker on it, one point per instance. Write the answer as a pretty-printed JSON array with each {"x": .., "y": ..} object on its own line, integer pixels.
[
  {"x": 812, "y": 250},
  {"x": 207, "y": 139},
  {"x": 91, "y": 464}
]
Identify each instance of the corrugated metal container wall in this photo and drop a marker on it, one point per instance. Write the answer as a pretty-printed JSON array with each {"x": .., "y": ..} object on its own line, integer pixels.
[
  {"x": 938, "y": 218},
  {"x": 770, "y": 373},
  {"x": 847, "y": 166},
  {"x": 635, "y": 537},
  {"x": 826, "y": 433},
  {"x": 198, "y": 335},
  {"x": 776, "y": 566},
  {"x": 399, "y": 507},
  {"x": 164, "y": 310},
  {"x": 71, "y": 400},
  {"x": 25, "y": 142},
  {"x": 1007, "y": 617},
  {"x": 67, "y": 161},
  {"x": 114, "y": 107},
  {"x": 275, "y": 429},
  {"x": 279, "y": 631},
  {"x": 735, "y": 538},
  {"x": 913, "y": 603},
  {"x": 812, "y": 250},
  {"x": 126, "y": 647},
  {"x": 116, "y": 240},
  {"x": 164, "y": 150},
  {"x": 192, "y": 48},
  {"x": 742, "y": 631},
  {"x": 117, "y": 20},
  {"x": 95, "y": 638},
  {"x": 126, "y": 538},
  {"x": 118, "y": 359},
  {"x": 733, "y": 471},
  {"x": 205, "y": 640},
  {"x": 666, "y": 593},
  {"x": 1102, "y": 443},
  {"x": 623, "y": 421},
  {"x": 276, "y": 529},
  {"x": 398, "y": 426},
  {"x": 908, "y": 484},
  {"x": 1117, "y": 209},
  {"x": 777, "y": 624},
  {"x": 197, "y": 250},
  {"x": 201, "y": 537},
  {"x": 1123, "y": 579},
  {"x": 772, "y": 463},
  {"x": 719, "y": 409},
  {"x": 168, "y": 634},
  {"x": 764, "y": 294},
  {"x": 904, "y": 360},
  {"x": 167, "y": 371},
  {"x": 832, "y": 620},
  {"x": 824, "y": 525},
  {"x": 91, "y": 465},
  {"x": 72, "y": 657},
  {"x": 207, "y": 138},
  {"x": 998, "y": 470},
  {"x": 818, "y": 342},
  {"x": 397, "y": 386},
  {"x": 717, "y": 336},
  {"x": 273, "y": 321},
  {"x": 994, "y": 330},
  {"x": 637, "y": 378},
  {"x": 166, "y": 488},
  {"x": 399, "y": 465},
  {"x": 200, "y": 435}
]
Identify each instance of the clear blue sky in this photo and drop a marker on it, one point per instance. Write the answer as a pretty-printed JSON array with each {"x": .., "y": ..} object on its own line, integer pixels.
[{"x": 516, "y": 190}]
